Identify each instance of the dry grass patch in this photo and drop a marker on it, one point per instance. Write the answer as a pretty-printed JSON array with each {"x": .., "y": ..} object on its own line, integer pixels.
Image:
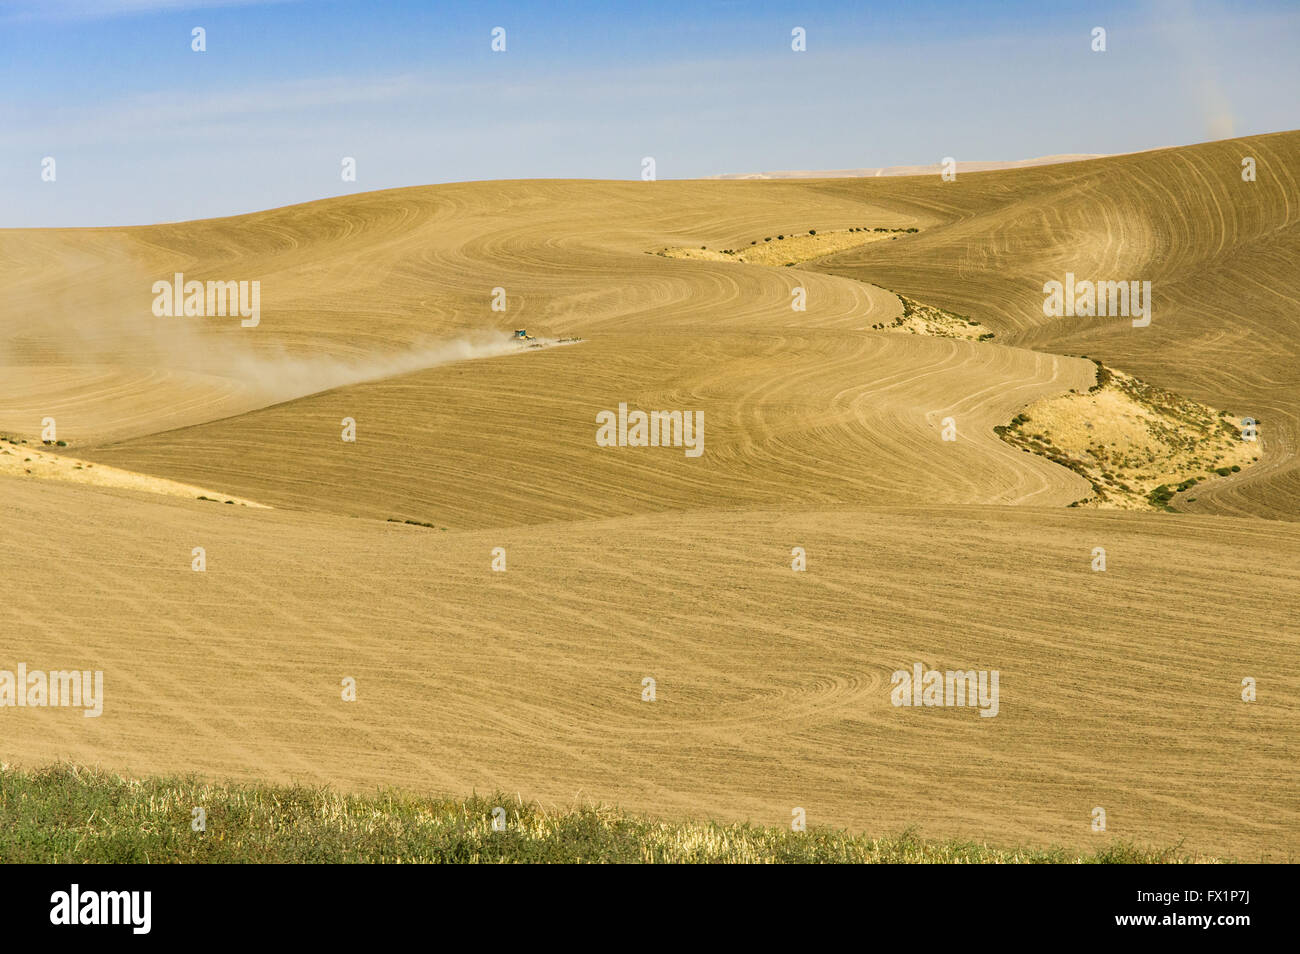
[
  {"x": 921, "y": 319},
  {"x": 1138, "y": 445},
  {"x": 25, "y": 461},
  {"x": 788, "y": 249}
]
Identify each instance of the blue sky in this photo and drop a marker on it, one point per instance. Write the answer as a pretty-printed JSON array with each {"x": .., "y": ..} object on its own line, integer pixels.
[{"x": 143, "y": 129}]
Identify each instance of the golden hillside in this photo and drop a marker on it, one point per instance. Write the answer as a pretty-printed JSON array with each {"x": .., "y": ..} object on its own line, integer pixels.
[
  {"x": 1119, "y": 689},
  {"x": 1221, "y": 254}
]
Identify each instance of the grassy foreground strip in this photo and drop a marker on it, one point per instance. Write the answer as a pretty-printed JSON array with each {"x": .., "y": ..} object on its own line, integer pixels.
[{"x": 69, "y": 814}]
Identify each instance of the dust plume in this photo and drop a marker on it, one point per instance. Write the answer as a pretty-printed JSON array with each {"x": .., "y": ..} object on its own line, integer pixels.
[{"x": 281, "y": 376}]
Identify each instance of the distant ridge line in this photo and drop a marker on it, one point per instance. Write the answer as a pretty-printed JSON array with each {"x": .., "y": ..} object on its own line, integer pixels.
[{"x": 931, "y": 169}]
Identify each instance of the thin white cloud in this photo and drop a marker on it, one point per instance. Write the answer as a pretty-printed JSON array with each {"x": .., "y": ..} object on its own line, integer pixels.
[
  {"x": 14, "y": 11},
  {"x": 173, "y": 112}
]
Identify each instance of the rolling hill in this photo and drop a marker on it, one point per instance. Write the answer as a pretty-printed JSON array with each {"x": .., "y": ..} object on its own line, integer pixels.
[{"x": 1120, "y": 689}]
